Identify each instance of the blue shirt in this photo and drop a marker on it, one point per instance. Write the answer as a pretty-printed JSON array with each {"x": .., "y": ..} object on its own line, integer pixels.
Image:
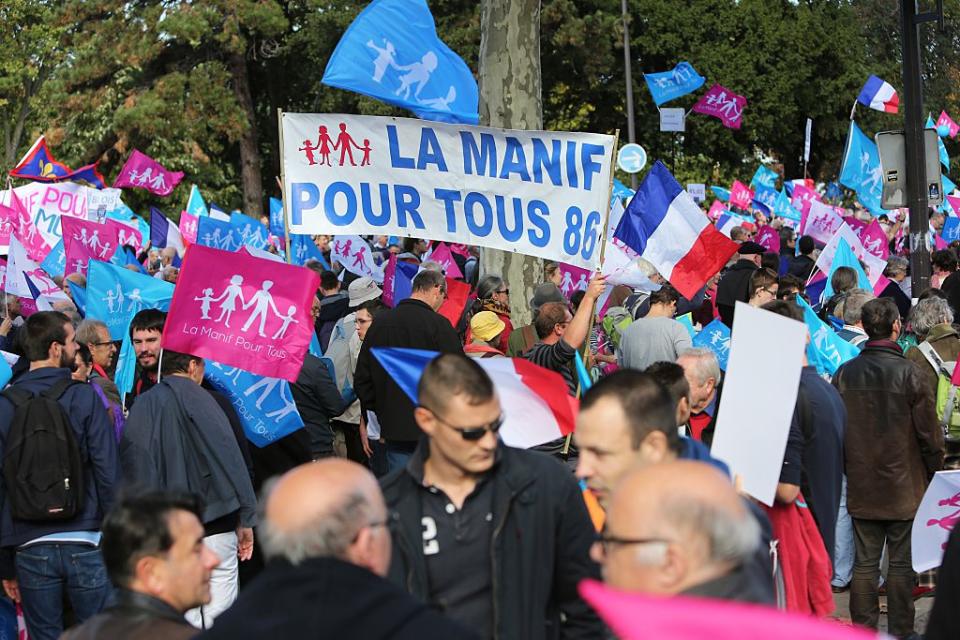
[{"x": 691, "y": 449}]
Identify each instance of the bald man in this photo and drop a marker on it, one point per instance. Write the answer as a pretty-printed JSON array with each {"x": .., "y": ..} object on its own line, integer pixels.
[
  {"x": 324, "y": 534},
  {"x": 680, "y": 528}
]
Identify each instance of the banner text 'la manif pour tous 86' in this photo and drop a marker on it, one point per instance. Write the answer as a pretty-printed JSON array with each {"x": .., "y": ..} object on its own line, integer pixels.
[{"x": 540, "y": 193}]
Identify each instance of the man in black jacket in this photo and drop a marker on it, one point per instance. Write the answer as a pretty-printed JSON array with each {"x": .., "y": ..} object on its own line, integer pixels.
[
  {"x": 325, "y": 536},
  {"x": 318, "y": 401},
  {"x": 735, "y": 284},
  {"x": 497, "y": 538},
  {"x": 414, "y": 323},
  {"x": 802, "y": 265}
]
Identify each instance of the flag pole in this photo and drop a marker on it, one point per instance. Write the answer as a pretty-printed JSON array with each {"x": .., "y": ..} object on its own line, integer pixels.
[
  {"x": 283, "y": 198},
  {"x": 593, "y": 305}
]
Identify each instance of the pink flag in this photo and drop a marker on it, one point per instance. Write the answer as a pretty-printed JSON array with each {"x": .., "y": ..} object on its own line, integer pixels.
[
  {"x": 573, "y": 279},
  {"x": 740, "y": 195},
  {"x": 83, "y": 240},
  {"x": 460, "y": 249},
  {"x": 945, "y": 119},
  {"x": 716, "y": 210},
  {"x": 242, "y": 311},
  {"x": 143, "y": 172},
  {"x": 940, "y": 243},
  {"x": 769, "y": 238},
  {"x": 389, "y": 275},
  {"x": 874, "y": 239},
  {"x": 127, "y": 234},
  {"x": 188, "y": 226},
  {"x": 442, "y": 256},
  {"x": 802, "y": 197},
  {"x": 722, "y": 103},
  {"x": 3, "y": 273},
  {"x": 7, "y": 219},
  {"x": 820, "y": 222},
  {"x": 635, "y": 616},
  {"x": 26, "y": 232},
  {"x": 954, "y": 203}
]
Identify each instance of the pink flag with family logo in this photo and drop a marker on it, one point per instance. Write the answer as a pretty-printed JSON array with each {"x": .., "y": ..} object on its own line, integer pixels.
[
  {"x": 874, "y": 239},
  {"x": 802, "y": 197},
  {"x": 954, "y": 203},
  {"x": 143, "y": 172},
  {"x": 83, "y": 240},
  {"x": 946, "y": 120},
  {"x": 7, "y": 219},
  {"x": 722, "y": 103},
  {"x": 716, "y": 210},
  {"x": 769, "y": 238},
  {"x": 442, "y": 256},
  {"x": 188, "y": 226},
  {"x": 740, "y": 195},
  {"x": 26, "y": 232},
  {"x": 820, "y": 222},
  {"x": 572, "y": 279},
  {"x": 242, "y": 311}
]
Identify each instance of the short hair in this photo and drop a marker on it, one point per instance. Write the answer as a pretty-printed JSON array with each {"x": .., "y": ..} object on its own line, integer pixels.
[
  {"x": 550, "y": 315},
  {"x": 786, "y": 235},
  {"x": 453, "y": 374},
  {"x": 549, "y": 268},
  {"x": 806, "y": 245},
  {"x": 784, "y": 308},
  {"x": 175, "y": 362},
  {"x": 428, "y": 279},
  {"x": 148, "y": 320},
  {"x": 314, "y": 265},
  {"x": 945, "y": 260},
  {"x": 878, "y": 317},
  {"x": 739, "y": 234},
  {"x": 327, "y": 535},
  {"x": 770, "y": 260},
  {"x": 844, "y": 279},
  {"x": 664, "y": 295},
  {"x": 329, "y": 280},
  {"x": 928, "y": 313},
  {"x": 707, "y": 366},
  {"x": 850, "y": 308},
  {"x": 139, "y": 526},
  {"x": 732, "y": 538},
  {"x": 896, "y": 265},
  {"x": 88, "y": 331},
  {"x": 787, "y": 283},
  {"x": 40, "y": 331},
  {"x": 374, "y": 307},
  {"x": 761, "y": 279},
  {"x": 645, "y": 403}
]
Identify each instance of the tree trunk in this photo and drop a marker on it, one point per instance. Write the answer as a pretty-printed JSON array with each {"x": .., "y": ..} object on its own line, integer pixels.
[
  {"x": 510, "y": 98},
  {"x": 249, "y": 152}
]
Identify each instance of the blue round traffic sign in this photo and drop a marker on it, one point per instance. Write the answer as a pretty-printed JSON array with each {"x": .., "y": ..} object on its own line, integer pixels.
[{"x": 631, "y": 158}]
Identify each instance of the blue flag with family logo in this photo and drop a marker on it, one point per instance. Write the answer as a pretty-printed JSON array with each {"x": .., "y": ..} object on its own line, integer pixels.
[
  {"x": 826, "y": 350},
  {"x": 218, "y": 234},
  {"x": 783, "y": 208},
  {"x": 391, "y": 52},
  {"x": 265, "y": 405},
  {"x": 56, "y": 260},
  {"x": 276, "y": 217},
  {"x": 766, "y": 196},
  {"x": 861, "y": 169},
  {"x": 303, "y": 248},
  {"x": 668, "y": 85},
  {"x": 951, "y": 229},
  {"x": 764, "y": 177},
  {"x": 716, "y": 337},
  {"x": 720, "y": 192},
  {"x": 115, "y": 295},
  {"x": 252, "y": 232}
]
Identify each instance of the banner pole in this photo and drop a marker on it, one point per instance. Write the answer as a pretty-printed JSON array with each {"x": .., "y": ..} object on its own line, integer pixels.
[
  {"x": 593, "y": 305},
  {"x": 283, "y": 195}
]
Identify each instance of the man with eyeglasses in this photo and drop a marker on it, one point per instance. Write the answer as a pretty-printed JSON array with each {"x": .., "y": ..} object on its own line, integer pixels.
[
  {"x": 495, "y": 537},
  {"x": 96, "y": 336},
  {"x": 324, "y": 533},
  {"x": 680, "y": 528}
]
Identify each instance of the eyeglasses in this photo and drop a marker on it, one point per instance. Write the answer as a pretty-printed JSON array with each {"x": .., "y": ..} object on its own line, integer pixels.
[
  {"x": 372, "y": 525},
  {"x": 471, "y": 433},
  {"x": 773, "y": 293},
  {"x": 506, "y": 291},
  {"x": 101, "y": 344},
  {"x": 606, "y": 541}
]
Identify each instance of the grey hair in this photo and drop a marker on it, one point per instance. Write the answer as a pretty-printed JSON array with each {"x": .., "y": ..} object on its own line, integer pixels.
[
  {"x": 707, "y": 365},
  {"x": 430, "y": 265},
  {"x": 732, "y": 537},
  {"x": 329, "y": 534},
  {"x": 87, "y": 331},
  {"x": 850, "y": 308},
  {"x": 895, "y": 265},
  {"x": 929, "y": 313}
]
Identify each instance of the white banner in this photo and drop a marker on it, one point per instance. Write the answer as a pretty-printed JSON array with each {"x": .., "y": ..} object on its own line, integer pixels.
[
  {"x": 938, "y": 514},
  {"x": 540, "y": 193},
  {"x": 47, "y": 201}
]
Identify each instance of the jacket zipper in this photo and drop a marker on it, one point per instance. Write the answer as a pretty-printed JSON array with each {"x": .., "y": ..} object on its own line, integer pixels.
[{"x": 493, "y": 567}]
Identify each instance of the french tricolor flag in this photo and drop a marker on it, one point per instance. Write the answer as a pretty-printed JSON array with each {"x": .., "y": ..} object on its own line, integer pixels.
[
  {"x": 164, "y": 233},
  {"x": 879, "y": 95},
  {"x": 665, "y": 226},
  {"x": 536, "y": 406}
]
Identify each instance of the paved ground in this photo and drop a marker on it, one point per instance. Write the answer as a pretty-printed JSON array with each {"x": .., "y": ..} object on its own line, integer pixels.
[{"x": 923, "y": 606}]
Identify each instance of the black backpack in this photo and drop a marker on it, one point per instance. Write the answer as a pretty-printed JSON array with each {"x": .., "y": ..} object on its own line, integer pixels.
[{"x": 42, "y": 466}]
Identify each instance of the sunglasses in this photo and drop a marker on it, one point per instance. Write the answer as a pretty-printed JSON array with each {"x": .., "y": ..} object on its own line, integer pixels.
[{"x": 471, "y": 434}]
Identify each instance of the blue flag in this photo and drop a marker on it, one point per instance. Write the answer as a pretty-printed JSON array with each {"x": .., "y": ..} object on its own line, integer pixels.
[
  {"x": 766, "y": 196},
  {"x": 716, "y": 337},
  {"x": 265, "y": 405},
  {"x": 668, "y": 85},
  {"x": 764, "y": 177},
  {"x": 56, "y": 260},
  {"x": 115, "y": 295},
  {"x": 861, "y": 169},
  {"x": 951, "y": 229},
  {"x": 303, "y": 248},
  {"x": 79, "y": 295},
  {"x": 826, "y": 351},
  {"x": 845, "y": 257},
  {"x": 195, "y": 204},
  {"x": 583, "y": 376},
  {"x": 5, "y": 372},
  {"x": 783, "y": 208},
  {"x": 391, "y": 52},
  {"x": 252, "y": 233},
  {"x": 720, "y": 192},
  {"x": 622, "y": 191},
  {"x": 948, "y": 185},
  {"x": 276, "y": 217},
  {"x": 218, "y": 234},
  {"x": 833, "y": 191}
]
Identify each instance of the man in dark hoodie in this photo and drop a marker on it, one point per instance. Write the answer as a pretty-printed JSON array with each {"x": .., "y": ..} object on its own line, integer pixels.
[
  {"x": 325, "y": 535},
  {"x": 57, "y": 556},
  {"x": 735, "y": 284}
]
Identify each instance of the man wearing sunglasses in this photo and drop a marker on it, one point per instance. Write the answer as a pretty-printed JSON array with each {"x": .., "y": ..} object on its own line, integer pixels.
[{"x": 495, "y": 537}]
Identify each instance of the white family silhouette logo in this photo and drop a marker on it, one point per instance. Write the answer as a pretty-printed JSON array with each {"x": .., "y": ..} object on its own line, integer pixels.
[
  {"x": 413, "y": 76},
  {"x": 148, "y": 179},
  {"x": 261, "y": 301},
  {"x": 93, "y": 243},
  {"x": 117, "y": 300}
]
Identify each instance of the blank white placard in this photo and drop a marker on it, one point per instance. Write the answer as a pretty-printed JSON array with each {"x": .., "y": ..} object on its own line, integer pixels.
[{"x": 759, "y": 394}]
